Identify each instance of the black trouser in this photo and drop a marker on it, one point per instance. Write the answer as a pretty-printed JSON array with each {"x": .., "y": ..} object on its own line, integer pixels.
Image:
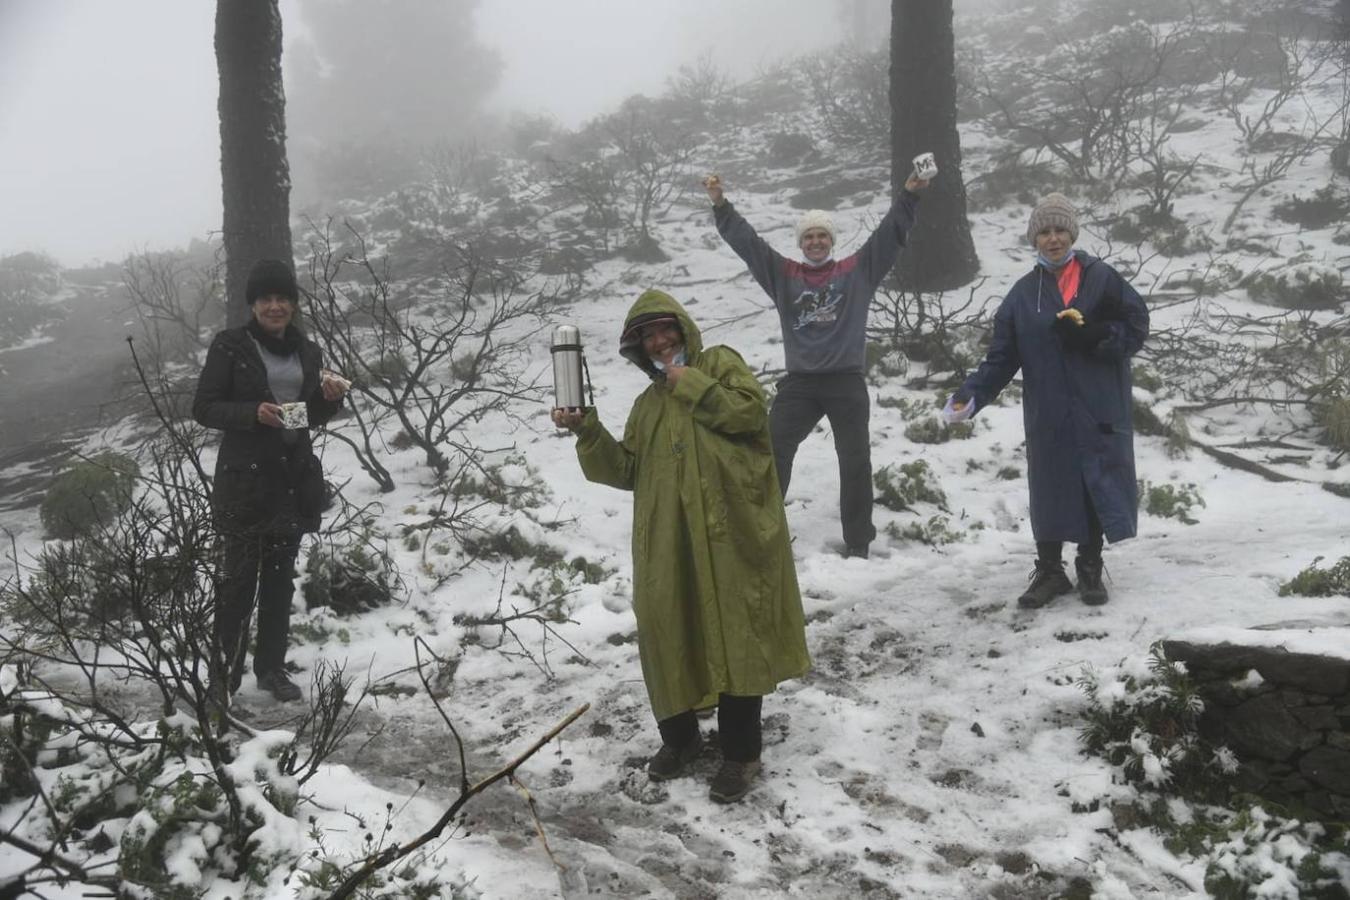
[
  {"x": 260, "y": 567},
  {"x": 1091, "y": 549},
  {"x": 841, "y": 397},
  {"x": 737, "y": 727}
]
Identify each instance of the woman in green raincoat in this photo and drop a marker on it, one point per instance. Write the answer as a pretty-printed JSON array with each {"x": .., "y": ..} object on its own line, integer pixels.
[{"x": 719, "y": 616}]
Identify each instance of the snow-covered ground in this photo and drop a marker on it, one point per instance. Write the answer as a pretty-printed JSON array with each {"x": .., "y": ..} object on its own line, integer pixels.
[{"x": 932, "y": 751}]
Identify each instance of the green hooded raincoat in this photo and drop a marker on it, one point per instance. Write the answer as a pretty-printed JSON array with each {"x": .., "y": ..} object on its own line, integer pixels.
[{"x": 714, "y": 587}]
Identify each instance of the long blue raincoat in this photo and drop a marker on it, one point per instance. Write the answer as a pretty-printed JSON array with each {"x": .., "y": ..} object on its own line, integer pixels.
[{"x": 1076, "y": 406}]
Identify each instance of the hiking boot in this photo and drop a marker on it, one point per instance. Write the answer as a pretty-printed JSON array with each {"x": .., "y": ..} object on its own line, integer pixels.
[
  {"x": 1048, "y": 581},
  {"x": 855, "y": 551},
  {"x": 279, "y": 685},
  {"x": 732, "y": 781},
  {"x": 670, "y": 762},
  {"x": 1090, "y": 588}
]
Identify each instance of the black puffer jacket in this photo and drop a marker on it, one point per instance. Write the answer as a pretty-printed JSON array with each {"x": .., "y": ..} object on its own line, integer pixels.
[{"x": 263, "y": 485}]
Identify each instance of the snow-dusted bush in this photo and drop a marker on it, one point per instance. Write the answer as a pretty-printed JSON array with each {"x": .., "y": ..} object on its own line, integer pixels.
[
  {"x": 900, "y": 487},
  {"x": 1316, "y": 582},
  {"x": 1300, "y": 286},
  {"x": 1270, "y": 857},
  {"x": 1169, "y": 501},
  {"x": 935, "y": 531},
  {"x": 88, "y": 493},
  {"x": 1326, "y": 207},
  {"x": 932, "y": 431},
  {"x": 350, "y": 574},
  {"x": 1334, "y": 416},
  {"x": 1143, "y": 718}
]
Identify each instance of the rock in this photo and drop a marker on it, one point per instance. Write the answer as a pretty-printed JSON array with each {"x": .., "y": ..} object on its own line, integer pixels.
[
  {"x": 1328, "y": 767},
  {"x": 1263, "y": 727},
  {"x": 1316, "y": 674},
  {"x": 1205, "y": 661},
  {"x": 1320, "y": 718},
  {"x": 1013, "y": 862},
  {"x": 1305, "y": 671}
]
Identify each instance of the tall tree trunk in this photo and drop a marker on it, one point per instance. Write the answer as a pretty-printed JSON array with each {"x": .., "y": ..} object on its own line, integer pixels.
[
  {"x": 255, "y": 178},
  {"x": 941, "y": 254}
]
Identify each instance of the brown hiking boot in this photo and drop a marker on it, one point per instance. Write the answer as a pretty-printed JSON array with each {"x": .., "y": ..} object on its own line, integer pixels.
[
  {"x": 670, "y": 762},
  {"x": 732, "y": 781},
  {"x": 1048, "y": 581}
]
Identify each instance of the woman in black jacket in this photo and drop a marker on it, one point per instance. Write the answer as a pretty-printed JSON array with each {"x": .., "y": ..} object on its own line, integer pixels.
[{"x": 269, "y": 487}]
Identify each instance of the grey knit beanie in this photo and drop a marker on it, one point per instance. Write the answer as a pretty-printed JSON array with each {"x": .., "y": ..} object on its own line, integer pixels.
[{"x": 1053, "y": 210}]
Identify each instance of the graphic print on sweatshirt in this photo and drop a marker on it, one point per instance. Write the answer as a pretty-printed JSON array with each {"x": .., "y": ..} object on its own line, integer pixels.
[{"x": 819, "y": 305}]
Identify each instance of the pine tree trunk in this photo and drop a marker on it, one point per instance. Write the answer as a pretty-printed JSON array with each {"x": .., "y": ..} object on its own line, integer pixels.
[
  {"x": 255, "y": 177},
  {"x": 941, "y": 254}
]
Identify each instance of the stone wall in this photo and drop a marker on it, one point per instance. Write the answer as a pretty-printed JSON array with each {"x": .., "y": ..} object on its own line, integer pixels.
[{"x": 1286, "y": 716}]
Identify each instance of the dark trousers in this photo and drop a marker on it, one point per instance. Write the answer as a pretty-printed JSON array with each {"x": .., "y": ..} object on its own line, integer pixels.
[
  {"x": 1091, "y": 549},
  {"x": 841, "y": 397},
  {"x": 737, "y": 727},
  {"x": 258, "y": 568}
]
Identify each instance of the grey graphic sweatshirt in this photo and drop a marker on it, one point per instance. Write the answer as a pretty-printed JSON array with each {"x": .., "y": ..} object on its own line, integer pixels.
[{"x": 823, "y": 309}]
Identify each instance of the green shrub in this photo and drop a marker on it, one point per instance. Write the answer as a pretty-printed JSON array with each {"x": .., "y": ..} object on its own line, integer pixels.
[
  {"x": 509, "y": 543},
  {"x": 932, "y": 430},
  {"x": 1324, "y": 208},
  {"x": 1148, "y": 725},
  {"x": 1335, "y": 418},
  {"x": 1169, "y": 235},
  {"x": 350, "y": 578},
  {"x": 1303, "y": 286},
  {"x": 900, "y": 487},
  {"x": 935, "y": 532},
  {"x": 1170, "y": 501},
  {"x": 88, "y": 494},
  {"x": 1315, "y": 582}
]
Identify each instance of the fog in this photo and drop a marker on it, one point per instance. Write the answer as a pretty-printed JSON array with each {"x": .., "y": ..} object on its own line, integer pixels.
[{"x": 109, "y": 140}]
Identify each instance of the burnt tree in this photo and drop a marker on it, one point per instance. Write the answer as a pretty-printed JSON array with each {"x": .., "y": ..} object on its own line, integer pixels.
[
  {"x": 255, "y": 177},
  {"x": 941, "y": 254}
]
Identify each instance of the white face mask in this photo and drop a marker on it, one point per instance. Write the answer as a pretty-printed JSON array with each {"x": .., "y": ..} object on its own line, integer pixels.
[{"x": 678, "y": 359}]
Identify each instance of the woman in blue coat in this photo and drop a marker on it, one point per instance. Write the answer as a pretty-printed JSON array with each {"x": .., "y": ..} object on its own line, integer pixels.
[{"x": 1070, "y": 325}]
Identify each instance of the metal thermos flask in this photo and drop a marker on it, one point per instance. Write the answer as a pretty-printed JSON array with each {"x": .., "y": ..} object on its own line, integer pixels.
[{"x": 568, "y": 362}]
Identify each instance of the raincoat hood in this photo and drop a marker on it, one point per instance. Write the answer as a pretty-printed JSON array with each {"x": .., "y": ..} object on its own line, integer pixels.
[{"x": 651, "y": 306}]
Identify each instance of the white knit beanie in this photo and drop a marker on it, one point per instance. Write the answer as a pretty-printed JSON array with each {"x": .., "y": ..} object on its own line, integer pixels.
[{"x": 814, "y": 218}]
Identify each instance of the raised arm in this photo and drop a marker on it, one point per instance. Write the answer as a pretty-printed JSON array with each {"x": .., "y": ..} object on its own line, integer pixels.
[
  {"x": 878, "y": 254},
  {"x": 766, "y": 265}
]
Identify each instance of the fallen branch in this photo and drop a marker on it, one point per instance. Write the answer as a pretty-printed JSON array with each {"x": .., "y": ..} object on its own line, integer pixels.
[{"x": 395, "y": 852}]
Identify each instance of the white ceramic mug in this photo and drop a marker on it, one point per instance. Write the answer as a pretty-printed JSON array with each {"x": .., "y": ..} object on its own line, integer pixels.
[
  {"x": 925, "y": 167},
  {"x": 294, "y": 415}
]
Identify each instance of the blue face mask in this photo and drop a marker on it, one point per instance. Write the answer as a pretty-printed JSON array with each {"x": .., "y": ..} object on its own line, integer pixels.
[
  {"x": 678, "y": 359},
  {"x": 1054, "y": 267}
]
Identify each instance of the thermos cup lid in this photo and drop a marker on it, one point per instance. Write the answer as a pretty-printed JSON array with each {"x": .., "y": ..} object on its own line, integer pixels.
[{"x": 566, "y": 334}]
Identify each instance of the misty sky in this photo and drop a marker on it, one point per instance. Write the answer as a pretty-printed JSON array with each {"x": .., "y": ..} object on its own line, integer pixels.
[{"x": 109, "y": 140}]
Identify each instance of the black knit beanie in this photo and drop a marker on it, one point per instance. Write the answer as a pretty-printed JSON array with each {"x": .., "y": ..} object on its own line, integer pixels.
[{"x": 271, "y": 276}]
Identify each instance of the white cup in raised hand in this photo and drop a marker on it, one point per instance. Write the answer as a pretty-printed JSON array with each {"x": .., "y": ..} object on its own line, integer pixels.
[{"x": 925, "y": 167}]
